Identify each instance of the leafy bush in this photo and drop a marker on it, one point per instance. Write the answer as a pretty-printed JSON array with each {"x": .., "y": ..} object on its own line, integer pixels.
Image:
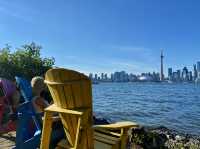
[{"x": 25, "y": 61}]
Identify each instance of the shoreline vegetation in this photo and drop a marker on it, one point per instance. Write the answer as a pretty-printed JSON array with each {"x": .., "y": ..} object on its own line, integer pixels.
[{"x": 158, "y": 137}]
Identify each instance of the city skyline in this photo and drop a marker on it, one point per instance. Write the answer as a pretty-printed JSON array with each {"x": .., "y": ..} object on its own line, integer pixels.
[
  {"x": 106, "y": 36},
  {"x": 179, "y": 75},
  {"x": 190, "y": 74}
]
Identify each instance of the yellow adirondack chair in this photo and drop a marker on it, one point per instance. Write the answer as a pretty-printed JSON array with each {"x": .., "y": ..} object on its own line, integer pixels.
[{"x": 72, "y": 96}]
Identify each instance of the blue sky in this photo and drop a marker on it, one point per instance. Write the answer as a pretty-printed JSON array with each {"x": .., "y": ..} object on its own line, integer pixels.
[{"x": 106, "y": 35}]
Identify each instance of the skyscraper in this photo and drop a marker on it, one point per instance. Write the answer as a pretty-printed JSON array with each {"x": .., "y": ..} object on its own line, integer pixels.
[
  {"x": 161, "y": 68},
  {"x": 91, "y": 76},
  {"x": 112, "y": 77},
  {"x": 198, "y": 69},
  {"x": 195, "y": 72},
  {"x": 178, "y": 75},
  {"x": 185, "y": 76},
  {"x": 190, "y": 76},
  {"x": 106, "y": 77},
  {"x": 102, "y": 76},
  {"x": 96, "y": 77},
  {"x": 170, "y": 73},
  {"x": 198, "y": 66}
]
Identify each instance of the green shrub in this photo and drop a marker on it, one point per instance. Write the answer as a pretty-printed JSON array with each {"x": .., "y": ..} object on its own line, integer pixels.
[{"x": 25, "y": 61}]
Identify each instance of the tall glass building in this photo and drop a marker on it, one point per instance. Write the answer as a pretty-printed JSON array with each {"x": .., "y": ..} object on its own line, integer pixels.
[
  {"x": 198, "y": 66},
  {"x": 198, "y": 69},
  {"x": 170, "y": 72}
]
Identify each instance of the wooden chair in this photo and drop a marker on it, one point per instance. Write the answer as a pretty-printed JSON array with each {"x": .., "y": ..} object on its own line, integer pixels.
[
  {"x": 26, "y": 137},
  {"x": 72, "y": 96}
]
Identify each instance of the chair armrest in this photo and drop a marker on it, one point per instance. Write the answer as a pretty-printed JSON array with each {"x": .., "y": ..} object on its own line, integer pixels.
[
  {"x": 78, "y": 112},
  {"x": 117, "y": 125}
]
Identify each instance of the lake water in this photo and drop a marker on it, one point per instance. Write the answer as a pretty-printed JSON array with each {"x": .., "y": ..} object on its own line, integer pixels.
[{"x": 176, "y": 106}]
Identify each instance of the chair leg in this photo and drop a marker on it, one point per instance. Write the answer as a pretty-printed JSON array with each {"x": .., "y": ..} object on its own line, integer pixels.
[
  {"x": 77, "y": 133},
  {"x": 124, "y": 138},
  {"x": 46, "y": 130}
]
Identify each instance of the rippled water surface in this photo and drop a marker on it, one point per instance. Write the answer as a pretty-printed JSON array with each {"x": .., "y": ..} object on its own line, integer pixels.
[{"x": 176, "y": 106}]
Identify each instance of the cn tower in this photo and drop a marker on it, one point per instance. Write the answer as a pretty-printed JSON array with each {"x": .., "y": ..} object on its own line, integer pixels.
[{"x": 161, "y": 68}]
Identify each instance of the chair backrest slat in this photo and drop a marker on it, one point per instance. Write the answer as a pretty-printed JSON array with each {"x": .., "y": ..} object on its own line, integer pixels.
[{"x": 72, "y": 90}]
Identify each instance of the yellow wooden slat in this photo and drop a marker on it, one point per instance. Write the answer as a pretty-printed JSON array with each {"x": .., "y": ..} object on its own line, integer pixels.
[
  {"x": 47, "y": 123},
  {"x": 66, "y": 128},
  {"x": 51, "y": 89},
  {"x": 117, "y": 125},
  {"x": 108, "y": 132},
  {"x": 83, "y": 140},
  {"x": 72, "y": 120},
  {"x": 77, "y": 133},
  {"x": 106, "y": 137},
  {"x": 55, "y": 108},
  {"x": 86, "y": 92}
]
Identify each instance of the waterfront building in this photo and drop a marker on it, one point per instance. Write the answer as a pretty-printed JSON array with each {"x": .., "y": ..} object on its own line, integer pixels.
[
  {"x": 116, "y": 77},
  {"x": 112, "y": 77},
  {"x": 198, "y": 69},
  {"x": 195, "y": 74},
  {"x": 170, "y": 73},
  {"x": 102, "y": 76},
  {"x": 121, "y": 76},
  {"x": 126, "y": 77},
  {"x": 132, "y": 78},
  {"x": 96, "y": 77},
  {"x": 178, "y": 75},
  {"x": 198, "y": 66},
  {"x": 91, "y": 76},
  {"x": 106, "y": 77},
  {"x": 155, "y": 77},
  {"x": 190, "y": 77},
  {"x": 175, "y": 77},
  {"x": 185, "y": 76}
]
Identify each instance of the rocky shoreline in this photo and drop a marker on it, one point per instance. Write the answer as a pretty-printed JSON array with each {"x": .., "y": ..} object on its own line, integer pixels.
[
  {"x": 158, "y": 138},
  {"x": 164, "y": 138}
]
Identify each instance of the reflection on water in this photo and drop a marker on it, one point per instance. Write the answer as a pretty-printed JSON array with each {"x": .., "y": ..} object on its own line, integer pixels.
[{"x": 176, "y": 106}]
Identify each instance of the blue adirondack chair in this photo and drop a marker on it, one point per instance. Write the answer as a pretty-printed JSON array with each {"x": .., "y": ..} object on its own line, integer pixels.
[{"x": 26, "y": 138}]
